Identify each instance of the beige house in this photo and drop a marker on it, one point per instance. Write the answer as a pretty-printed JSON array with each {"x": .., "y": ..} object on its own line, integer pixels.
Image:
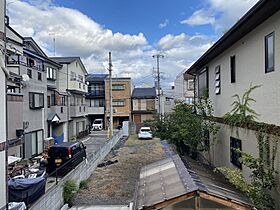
[
  {"x": 248, "y": 53},
  {"x": 121, "y": 93},
  {"x": 71, "y": 80}
]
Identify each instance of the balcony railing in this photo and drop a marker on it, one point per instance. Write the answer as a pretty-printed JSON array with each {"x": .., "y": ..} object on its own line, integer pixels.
[
  {"x": 78, "y": 110},
  {"x": 96, "y": 110},
  {"x": 78, "y": 86},
  {"x": 96, "y": 93}
]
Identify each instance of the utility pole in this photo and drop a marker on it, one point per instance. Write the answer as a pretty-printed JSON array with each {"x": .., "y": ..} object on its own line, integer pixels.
[
  {"x": 110, "y": 130},
  {"x": 158, "y": 56}
]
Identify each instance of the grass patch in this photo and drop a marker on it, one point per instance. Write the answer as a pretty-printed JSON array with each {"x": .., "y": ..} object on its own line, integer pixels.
[{"x": 84, "y": 184}]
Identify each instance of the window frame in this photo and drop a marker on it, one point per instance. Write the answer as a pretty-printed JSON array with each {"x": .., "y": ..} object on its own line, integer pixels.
[
  {"x": 118, "y": 89},
  {"x": 117, "y": 101},
  {"x": 234, "y": 155},
  {"x": 32, "y": 100},
  {"x": 40, "y": 76},
  {"x": 204, "y": 70},
  {"x": 29, "y": 73},
  {"x": 269, "y": 69},
  {"x": 218, "y": 79},
  {"x": 232, "y": 69}
]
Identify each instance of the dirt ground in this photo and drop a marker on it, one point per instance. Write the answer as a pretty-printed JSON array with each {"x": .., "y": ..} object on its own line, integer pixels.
[{"x": 115, "y": 184}]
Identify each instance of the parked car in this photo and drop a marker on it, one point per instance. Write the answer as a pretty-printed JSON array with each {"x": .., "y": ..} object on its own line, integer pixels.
[
  {"x": 97, "y": 125},
  {"x": 145, "y": 133},
  {"x": 65, "y": 157}
]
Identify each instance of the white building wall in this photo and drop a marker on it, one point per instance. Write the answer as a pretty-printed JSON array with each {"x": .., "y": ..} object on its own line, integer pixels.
[{"x": 250, "y": 68}]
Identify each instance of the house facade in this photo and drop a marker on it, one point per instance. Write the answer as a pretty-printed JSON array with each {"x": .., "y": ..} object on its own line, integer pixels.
[
  {"x": 121, "y": 94},
  {"x": 249, "y": 53},
  {"x": 95, "y": 98},
  {"x": 184, "y": 87},
  {"x": 73, "y": 88},
  {"x": 143, "y": 104}
]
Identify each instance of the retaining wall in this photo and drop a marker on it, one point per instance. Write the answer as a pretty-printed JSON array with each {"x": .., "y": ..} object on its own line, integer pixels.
[{"x": 53, "y": 199}]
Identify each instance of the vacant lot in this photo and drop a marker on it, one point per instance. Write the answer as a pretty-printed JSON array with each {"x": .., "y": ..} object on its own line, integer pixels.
[{"x": 115, "y": 184}]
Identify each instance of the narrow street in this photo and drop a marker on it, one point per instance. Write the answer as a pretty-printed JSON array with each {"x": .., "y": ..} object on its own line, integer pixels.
[{"x": 115, "y": 184}]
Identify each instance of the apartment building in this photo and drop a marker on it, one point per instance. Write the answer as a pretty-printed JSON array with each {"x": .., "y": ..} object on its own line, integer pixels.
[
  {"x": 2, "y": 110},
  {"x": 121, "y": 94},
  {"x": 248, "y": 53},
  {"x": 143, "y": 104},
  {"x": 72, "y": 85},
  {"x": 95, "y": 98}
]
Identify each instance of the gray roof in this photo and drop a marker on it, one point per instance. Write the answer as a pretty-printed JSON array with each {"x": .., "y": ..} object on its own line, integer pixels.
[
  {"x": 65, "y": 60},
  {"x": 144, "y": 93},
  {"x": 68, "y": 60},
  {"x": 96, "y": 77},
  {"x": 171, "y": 178}
]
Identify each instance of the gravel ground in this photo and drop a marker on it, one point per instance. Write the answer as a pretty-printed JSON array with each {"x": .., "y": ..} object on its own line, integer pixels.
[{"x": 115, "y": 184}]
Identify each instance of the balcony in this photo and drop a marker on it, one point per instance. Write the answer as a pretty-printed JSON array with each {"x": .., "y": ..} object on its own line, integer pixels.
[
  {"x": 96, "y": 94},
  {"x": 78, "y": 110},
  {"x": 14, "y": 112},
  {"x": 96, "y": 110},
  {"x": 77, "y": 86},
  {"x": 61, "y": 111}
]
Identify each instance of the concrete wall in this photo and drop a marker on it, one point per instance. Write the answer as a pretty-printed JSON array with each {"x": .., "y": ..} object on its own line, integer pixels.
[{"x": 53, "y": 198}]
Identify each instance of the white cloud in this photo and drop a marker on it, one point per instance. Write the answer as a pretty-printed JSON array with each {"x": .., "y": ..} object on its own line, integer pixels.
[
  {"x": 221, "y": 14},
  {"x": 78, "y": 35},
  {"x": 199, "y": 17},
  {"x": 164, "y": 24}
]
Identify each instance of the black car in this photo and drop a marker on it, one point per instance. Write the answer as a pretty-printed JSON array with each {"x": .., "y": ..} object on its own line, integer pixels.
[{"x": 64, "y": 157}]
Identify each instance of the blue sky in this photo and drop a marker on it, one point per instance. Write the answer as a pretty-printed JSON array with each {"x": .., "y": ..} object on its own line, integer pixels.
[
  {"x": 135, "y": 16},
  {"x": 133, "y": 30}
]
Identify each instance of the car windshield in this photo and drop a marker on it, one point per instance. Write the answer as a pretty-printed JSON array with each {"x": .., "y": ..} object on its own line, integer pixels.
[
  {"x": 145, "y": 130},
  {"x": 58, "y": 152},
  {"x": 97, "y": 121}
]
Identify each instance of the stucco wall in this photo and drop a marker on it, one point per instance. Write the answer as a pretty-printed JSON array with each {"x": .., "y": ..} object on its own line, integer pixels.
[{"x": 250, "y": 68}]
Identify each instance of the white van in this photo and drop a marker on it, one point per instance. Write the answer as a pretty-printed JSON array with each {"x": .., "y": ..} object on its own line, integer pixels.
[{"x": 97, "y": 125}]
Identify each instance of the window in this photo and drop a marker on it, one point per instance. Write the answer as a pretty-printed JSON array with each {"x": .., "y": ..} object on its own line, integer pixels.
[
  {"x": 73, "y": 75},
  {"x": 97, "y": 103},
  {"x": 269, "y": 53},
  {"x": 218, "y": 80},
  {"x": 51, "y": 73},
  {"x": 235, "y": 155},
  {"x": 36, "y": 100},
  {"x": 61, "y": 109},
  {"x": 118, "y": 87},
  {"x": 202, "y": 82},
  {"x": 189, "y": 101},
  {"x": 232, "y": 69},
  {"x": 40, "y": 76},
  {"x": 49, "y": 101},
  {"x": 29, "y": 73},
  {"x": 118, "y": 102},
  {"x": 190, "y": 84},
  {"x": 80, "y": 78}
]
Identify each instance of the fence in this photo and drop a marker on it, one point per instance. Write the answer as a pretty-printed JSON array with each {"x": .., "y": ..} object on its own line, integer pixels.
[{"x": 53, "y": 199}]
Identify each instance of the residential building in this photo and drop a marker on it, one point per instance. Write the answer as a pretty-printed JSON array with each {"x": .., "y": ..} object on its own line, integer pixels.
[
  {"x": 3, "y": 136},
  {"x": 71, "y": 80},
  {"x": 248, "y": 53},
  {"x": 29, "y": 65},
  {"x": 121, "y": 94},
  {"x": 14, "y": 93},
  {"x": 184, "y": 87},
  {"x": 95, "y": 98},
  {"x": 57, "y": 104},
  {"x": 143, "y": 104}
]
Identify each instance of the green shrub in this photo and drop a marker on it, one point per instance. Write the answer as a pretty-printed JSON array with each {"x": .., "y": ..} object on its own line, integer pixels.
[
  {"x": 84, "y": 184},
  {"x": 69, "y": 191}
]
